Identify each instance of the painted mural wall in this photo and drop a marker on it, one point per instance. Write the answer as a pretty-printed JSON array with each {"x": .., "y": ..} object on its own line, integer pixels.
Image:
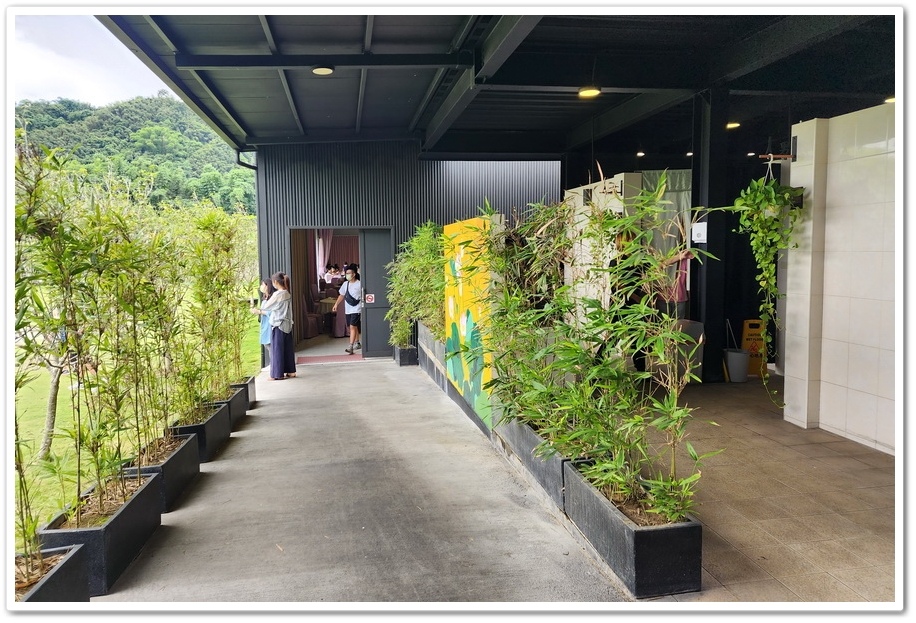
[{"x": 467, "y": 365}]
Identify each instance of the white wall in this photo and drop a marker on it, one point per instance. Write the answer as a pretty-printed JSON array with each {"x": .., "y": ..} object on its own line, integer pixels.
[{"x": 841, "y": 364}]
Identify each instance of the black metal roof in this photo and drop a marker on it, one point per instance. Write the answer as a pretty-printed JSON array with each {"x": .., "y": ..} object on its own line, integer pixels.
[{"x": 506, "y": 86}]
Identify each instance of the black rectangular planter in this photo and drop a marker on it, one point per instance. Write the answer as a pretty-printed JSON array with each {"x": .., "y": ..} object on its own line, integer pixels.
[
  {"x": 67, "y": 581},
  {"x": 406, "y": 355},
  {"x": 547, "y": 471},
  {"x": 650, "y": 560},
  {"x": 212, "y": 433},
  {"x": 178, "y": 471},
  {"x": 238, "y": 405},
  {"x": 111, "y": 547},
  {"x": 249, "y": 388}
]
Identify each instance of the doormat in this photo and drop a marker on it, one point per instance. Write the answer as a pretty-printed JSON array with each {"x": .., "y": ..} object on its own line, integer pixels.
[{"x": 328, "y": 359}]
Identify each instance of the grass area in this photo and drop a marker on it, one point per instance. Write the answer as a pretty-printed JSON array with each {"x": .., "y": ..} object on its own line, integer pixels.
[{"x": 31, "y": 405}]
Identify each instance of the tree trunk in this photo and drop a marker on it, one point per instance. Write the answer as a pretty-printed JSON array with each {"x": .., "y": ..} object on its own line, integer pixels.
[{"x": 51, "y": 413}]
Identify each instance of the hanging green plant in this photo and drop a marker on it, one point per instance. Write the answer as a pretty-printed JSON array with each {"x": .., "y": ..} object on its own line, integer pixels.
[{"x": 767, "y": 213}]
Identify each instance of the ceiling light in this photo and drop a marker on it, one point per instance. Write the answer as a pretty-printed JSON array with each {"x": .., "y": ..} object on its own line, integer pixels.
[
  {"x": 323, "y": 70},
  {"x": 640, "y": 153},
  {"x": 890, "y": 100},
  {"x": 731, "y": 125},
  {"x": 689, "y": 154},
  {"x": 589, "y": 91},
  {"x": 751, "y": 154}
]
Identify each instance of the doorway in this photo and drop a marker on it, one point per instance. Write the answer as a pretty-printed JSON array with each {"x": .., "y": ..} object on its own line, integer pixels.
[{"x": 317, "y": 331}]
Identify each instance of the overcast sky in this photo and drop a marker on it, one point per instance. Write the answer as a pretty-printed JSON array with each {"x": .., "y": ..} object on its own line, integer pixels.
[{"x": 75, "y": 57}]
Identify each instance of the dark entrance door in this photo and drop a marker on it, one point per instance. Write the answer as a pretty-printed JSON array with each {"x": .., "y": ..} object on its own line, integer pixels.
[{"x": 376, "y": 249}]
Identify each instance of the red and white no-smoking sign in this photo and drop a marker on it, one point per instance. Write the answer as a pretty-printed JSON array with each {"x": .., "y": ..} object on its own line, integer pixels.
[{"x": 370, "y": 298}]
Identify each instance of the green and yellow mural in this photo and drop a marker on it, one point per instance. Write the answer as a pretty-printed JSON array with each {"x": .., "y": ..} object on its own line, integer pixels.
[{"x": 467, "y": 366}]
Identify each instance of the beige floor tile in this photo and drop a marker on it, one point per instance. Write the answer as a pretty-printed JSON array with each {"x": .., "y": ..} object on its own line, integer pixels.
[
  {"x": 872, "y": 477},
  {"x": 781, "y": 561},
  {"x": 878, "y": 459},
  {"x": 872, "y": 586},
  {"x": 713, "y": 541},
  {"x": 717, "y": 514},
  {"x": 792, "y": 530},
  {"x": 830, "y": 555},
  {"x": 837, "y": 526},
  {"x": 718, "y": 594},
  {"x": 880, "y": 523},
  {"x": 746, "y": 534},
  {"x": 872, "y": 549},
  {"x": 839, "y": 501},
  {"x": 814, "y": 450},
  {"x": 798, "y": 505},
  {"x": 876, "y": 497},
  {"x": 758, "y": 508},
  {"x": 850, "y": 448},
  {"x": 766, "y": 590},
  {"x": 843, "y": 464},
  {"x": 821, "y": 587},
  {"x": 731, "y": 566}
]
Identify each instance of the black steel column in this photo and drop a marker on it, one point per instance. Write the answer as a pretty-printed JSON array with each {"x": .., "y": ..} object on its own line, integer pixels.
[{"x": 710, "y": 188}]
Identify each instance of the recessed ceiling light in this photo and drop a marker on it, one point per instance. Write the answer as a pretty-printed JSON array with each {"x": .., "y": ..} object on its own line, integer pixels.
[
  {"x": 323, "y": 70},
  {"x": 731, "y": 125},
  {"x": 640, "y": 153},
  {"x": 689, "y": 154},
  {"x": 751, "y": 154},
  {"x": 589, "y": 91}
]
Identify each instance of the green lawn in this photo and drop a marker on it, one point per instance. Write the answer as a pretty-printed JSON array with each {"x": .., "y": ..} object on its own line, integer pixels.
[{"x": 31, "y": 405}]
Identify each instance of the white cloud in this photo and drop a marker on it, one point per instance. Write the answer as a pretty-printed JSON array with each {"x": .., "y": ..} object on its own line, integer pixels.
[{"x": 74, "y": 57}]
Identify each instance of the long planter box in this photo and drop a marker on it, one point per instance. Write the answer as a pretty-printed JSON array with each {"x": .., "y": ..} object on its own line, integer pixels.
[
  {"x": 178, "y": 471},
  {"x": 238, "y": 406},
  {"x": 248, "y": 385},
  {"x": 212, "y": 433},
  {"x": 651, "y": 560},
  {"x": 111, "y": 547},
  {"x": 67, "y": 581},
  {"x": 547, "y": 471}
]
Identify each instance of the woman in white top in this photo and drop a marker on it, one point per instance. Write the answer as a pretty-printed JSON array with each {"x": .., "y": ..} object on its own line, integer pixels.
[
  {"x": 279, "y": 306},
  {"x": 351, "y": 294}
]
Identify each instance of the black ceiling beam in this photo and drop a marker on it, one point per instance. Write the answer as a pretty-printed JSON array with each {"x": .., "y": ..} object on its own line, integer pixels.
[
  {"x": 158, "y": 24},
  {"x": 335, "y": 136},
  {"x": 786, "y": 37},
  {"x": 272, "y": 44},
  {"x": 773, "y": 44},
  {"x": 457, "y": 41},
  {"x": 214, "y": 62},
  {"x": 119, "y": 26},
  {"x": 361, "y": 98},
  {"x": 633, "y": 110},
  {"x": 506, "y": 36}
]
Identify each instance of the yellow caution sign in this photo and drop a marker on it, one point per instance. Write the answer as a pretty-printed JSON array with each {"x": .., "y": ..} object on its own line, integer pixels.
[{"x": 752, "y": 342}]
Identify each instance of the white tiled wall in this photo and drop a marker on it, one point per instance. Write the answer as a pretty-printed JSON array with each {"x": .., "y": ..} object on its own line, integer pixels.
[{"x": 845, "y": 352}]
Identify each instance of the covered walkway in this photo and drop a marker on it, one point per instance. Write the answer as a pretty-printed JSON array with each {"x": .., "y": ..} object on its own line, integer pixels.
[{"x": 360, "y": 482}]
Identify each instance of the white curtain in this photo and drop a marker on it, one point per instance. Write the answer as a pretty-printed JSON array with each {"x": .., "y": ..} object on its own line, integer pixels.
[{"x": 324, "y": 250}]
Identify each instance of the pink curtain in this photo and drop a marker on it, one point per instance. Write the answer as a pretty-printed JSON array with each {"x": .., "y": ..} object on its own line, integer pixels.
[
  {"x": 325, "y": 236},
  {"x": 346, "y": 249}
]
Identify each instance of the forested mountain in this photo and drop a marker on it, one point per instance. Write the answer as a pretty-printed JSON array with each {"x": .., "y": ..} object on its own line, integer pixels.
[{"x": 157, "y": 141}]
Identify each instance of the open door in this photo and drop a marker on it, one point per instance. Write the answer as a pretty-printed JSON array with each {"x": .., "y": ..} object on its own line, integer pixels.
[{"x": 376, "y": 250}]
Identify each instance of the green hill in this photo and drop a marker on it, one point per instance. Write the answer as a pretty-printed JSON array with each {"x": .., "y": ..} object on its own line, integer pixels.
[{"x": 157, "y": 142}]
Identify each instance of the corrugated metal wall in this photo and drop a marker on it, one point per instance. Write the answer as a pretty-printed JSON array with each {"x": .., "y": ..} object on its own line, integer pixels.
[{"x": 381, "y": 185}]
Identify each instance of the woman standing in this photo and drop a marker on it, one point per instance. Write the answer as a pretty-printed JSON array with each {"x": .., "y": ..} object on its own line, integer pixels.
[
  {"x": 279, "y": 308},
  {"x": 351, "y": 294}
]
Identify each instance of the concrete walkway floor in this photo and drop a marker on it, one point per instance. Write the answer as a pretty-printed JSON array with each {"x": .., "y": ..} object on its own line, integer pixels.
[{"x": 359, "y": 483}]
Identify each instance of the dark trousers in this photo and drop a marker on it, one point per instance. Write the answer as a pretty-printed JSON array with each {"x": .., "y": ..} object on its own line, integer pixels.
[{"x": 282, "y": 354}]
